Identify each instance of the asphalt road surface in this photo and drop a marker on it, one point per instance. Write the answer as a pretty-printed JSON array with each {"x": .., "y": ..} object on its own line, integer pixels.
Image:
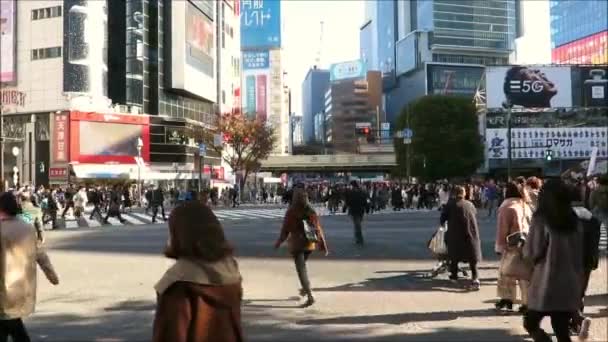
[{"x": 378, "y": 293}]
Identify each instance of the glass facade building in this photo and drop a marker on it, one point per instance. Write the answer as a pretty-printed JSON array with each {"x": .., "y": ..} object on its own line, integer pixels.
[
  {"x": 314, "y": 87},
  {"x": 489, "y": 24},
  {"x": 579, "y": 31},
  {"x": 575, "y": 19}
]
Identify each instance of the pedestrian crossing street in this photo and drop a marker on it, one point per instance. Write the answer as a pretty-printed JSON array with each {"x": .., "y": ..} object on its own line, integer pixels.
[{"x": 140, "y": 218}]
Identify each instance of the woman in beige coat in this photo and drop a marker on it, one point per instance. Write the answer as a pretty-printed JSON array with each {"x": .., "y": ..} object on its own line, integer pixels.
[
  {"x": 514, "y": 215},
  {"x": 19, "y": 254}
]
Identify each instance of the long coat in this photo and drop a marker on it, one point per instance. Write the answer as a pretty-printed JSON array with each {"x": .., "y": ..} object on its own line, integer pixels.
[
  {"x": 19, "y": 254},
  {"x": 293, "y": 231},
  {"x": 462, "y": 237}
]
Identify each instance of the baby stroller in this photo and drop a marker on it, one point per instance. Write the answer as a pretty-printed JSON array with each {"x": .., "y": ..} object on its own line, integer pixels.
[{"x": 439, "y": 249}]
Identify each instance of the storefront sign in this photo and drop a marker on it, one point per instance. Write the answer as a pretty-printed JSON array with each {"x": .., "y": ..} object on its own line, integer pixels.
[
  {"x": 60, "y": 147},
  {"x": 58, "y": 172},
  {"x": 12, "y": 97}
]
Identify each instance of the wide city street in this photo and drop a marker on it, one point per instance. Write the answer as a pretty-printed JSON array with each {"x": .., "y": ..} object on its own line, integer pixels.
[{"x": 379, "y": 293}]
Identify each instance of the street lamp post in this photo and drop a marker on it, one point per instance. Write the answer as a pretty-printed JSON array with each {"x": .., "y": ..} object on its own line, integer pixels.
[
  {"x": 140, "y": 144},
  {"x": 509, "y": 147},
  {"x": 16, "y": 150}
]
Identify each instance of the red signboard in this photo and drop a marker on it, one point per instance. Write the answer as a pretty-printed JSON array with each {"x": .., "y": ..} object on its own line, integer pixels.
[
  {"x": 218, "y": 172},
  {"x": 589, "y": 50},
  {"x": 261, "y": 93},
  {"x": 58, "y": 172},
  {"x": 108, "y": 138},
  {"x": 61, "y": 138}
]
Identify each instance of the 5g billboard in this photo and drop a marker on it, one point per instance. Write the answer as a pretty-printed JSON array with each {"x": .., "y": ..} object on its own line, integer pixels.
[{"x": 529, "y": 86}]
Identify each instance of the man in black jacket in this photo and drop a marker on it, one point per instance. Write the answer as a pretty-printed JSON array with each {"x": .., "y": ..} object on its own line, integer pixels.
[
  {"x": 69, "y": 200},
  {"x": 158, "y": 197},
  {"x": 95, "y": 199},
  {"x": 356, "y": 202}
]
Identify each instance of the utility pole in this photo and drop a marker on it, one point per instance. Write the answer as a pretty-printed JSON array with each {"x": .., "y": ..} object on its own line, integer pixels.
[
  {"x": 408, "y": 149},
  {"x": 509, "y": 147}
]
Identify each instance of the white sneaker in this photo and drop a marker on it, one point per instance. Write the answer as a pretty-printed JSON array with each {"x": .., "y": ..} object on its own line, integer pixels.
[{"x": 585, "y": 326}]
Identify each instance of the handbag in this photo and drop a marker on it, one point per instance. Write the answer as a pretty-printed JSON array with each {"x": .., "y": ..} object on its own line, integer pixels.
[
  {"x": 514, "y": 265},
  {"x": 310, "y": 232},
  {"x": 437, "y": 243}
]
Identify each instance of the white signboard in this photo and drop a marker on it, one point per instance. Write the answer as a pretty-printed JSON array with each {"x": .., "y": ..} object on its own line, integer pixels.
[
  {"x": 529, "y": 86},
  {"x": 531, "y": 143}
]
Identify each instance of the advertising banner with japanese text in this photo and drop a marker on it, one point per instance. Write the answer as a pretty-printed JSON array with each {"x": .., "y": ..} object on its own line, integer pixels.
[
  {"x": 531, "y": 143},
  {"x": 61, "y": 138},
  {"x": 260, "y": 24},
  {"x": 256, "y": 77},
  {"x": 256, "y": 60}
]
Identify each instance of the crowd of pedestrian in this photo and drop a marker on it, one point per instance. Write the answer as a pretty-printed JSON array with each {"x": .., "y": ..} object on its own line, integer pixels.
[{"x": 546, "y": 238}]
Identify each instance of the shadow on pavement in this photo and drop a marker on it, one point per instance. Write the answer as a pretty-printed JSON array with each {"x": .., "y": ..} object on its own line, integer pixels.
[
  {"x": 409, "y": 281},
  {"x": 402, "y": 318}
]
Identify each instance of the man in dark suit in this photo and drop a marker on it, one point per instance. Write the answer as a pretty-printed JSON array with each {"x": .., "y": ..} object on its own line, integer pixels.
[{"x": 356, "y": 203}]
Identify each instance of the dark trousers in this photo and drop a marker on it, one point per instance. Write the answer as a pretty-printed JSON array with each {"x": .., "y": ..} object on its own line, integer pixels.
[
  {"x": 96, "y": 210},
  {"x": 114, "y": 212},
  {"x": 155, "y": 212},
  {"x": 68, "y": 205},
  {"x": 300, "y": 261},
  {"x": 357, "y": 222},
  {"x": 14, "y": 329},
  {"x": 560, "y": 321},
  {"x": 454, "y": 269}
]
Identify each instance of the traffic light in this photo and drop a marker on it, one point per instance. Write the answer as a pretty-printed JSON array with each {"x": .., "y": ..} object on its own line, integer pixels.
[
  {"x": 548, "y": 155},
  {"x": 363, "y": 131}
]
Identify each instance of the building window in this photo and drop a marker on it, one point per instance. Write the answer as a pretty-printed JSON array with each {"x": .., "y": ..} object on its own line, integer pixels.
[
  {"x": 46, "y": 13},
  {"x": 46, "y": 53},
  {"x": 223, "y": 97}
]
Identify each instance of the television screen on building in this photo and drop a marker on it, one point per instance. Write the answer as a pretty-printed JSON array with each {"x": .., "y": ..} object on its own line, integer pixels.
[{"x": 108, "y": 139}]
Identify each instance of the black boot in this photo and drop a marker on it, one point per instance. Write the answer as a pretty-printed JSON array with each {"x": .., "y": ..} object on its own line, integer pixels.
[
  {"x": 504, "y": 304},
  {"x": 309, "y": 301}
]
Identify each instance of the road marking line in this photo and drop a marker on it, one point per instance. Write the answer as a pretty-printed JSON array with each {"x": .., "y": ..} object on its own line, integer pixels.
[
  {"x": 71, "y": 225},
  {"x": 91, "y": 223},
  {"x": 132, "y": 219},
  {"x": 114, "y": 221}
]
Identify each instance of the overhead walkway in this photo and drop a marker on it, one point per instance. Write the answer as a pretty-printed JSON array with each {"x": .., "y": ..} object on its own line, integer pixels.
[{"x": 337, "y": 162}]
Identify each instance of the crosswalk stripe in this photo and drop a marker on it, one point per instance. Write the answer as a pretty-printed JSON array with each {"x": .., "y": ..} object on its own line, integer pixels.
[
  {"x": 91, "y": 223},
  {"x": 132, "y": 219},
  {"x": 71, "y": 224},
  {"x": 114, "y": 221},
  {"x": 258, "y": 214},
  {"x": 148, "y": 218},
  {"x": 229, "y": 215}
]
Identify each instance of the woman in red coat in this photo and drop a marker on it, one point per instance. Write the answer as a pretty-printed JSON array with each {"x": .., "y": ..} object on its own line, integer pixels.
[
  {"x": 299, "y": 246},
  {"x": 199, "y": 297}
]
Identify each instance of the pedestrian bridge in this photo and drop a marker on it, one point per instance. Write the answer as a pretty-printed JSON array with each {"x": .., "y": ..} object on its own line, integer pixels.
[{"x": 335, "y": 162}]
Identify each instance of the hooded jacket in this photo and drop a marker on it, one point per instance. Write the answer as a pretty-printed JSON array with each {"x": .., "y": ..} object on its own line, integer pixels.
[{"x": 199, "y": 302}]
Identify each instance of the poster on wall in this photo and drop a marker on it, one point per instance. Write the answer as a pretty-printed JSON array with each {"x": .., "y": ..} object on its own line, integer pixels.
[
  {"x": 8, "y": 40},
  {"x": 256, "y": 71},
  {"x": 531, "y": 143},
  {"x": 260, "y": 24},
  {"x": 199, "y": 40},
  {"x": 529, "y": 86},
  {"x": 593, "y": 85}
]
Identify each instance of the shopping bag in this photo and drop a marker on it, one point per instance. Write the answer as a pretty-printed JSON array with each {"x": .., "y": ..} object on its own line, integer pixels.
[
  {"x": 437, "y": 244},
  {"x": 514, "y": 265}
]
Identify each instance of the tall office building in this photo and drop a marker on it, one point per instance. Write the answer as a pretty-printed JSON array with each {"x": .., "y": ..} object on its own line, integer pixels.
[
  {"x": 579, "y": 31},
  {"x": 353, "y": 98},
  {"x": 440, "y": 47},
  {"x": 313, "y": 100},
  {"x": 262, "y": 77}
]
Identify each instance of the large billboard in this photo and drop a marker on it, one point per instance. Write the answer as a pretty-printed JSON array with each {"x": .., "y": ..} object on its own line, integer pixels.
[
  {"x": 256, "y": 82},
  {"x": 589, "y": 50},
  {"x": 590, "y": 86},
  {"x": 570, "y": 134},
  {"x": 108, "y": 138},
  {"x": 191, "y": 57},
  {"x": 528, "y": 86},
  {"x": 453, "y": 79},
  {"x": 347, "y": 70},
  {"x": 260, "y": 24},
  {"x": 8, "y": 41}
]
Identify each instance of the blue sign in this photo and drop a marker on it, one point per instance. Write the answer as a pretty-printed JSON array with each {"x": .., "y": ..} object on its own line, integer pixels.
[
  {"x": 260, "y": 24},
  {"x": 345, "y": 70},
  {"x": 408, "y": 133},
  {"x": 202, "y": 149},
  {"x": 255, "y": 60}
]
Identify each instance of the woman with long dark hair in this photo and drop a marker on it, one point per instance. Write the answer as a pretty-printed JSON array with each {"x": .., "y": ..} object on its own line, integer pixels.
[
  {"x": 555, "y": 246},
  {"x": 300, "y": 245}
]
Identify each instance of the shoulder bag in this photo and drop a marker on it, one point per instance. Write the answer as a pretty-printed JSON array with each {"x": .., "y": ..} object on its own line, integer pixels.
[{"x": 310, "y": 231}]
